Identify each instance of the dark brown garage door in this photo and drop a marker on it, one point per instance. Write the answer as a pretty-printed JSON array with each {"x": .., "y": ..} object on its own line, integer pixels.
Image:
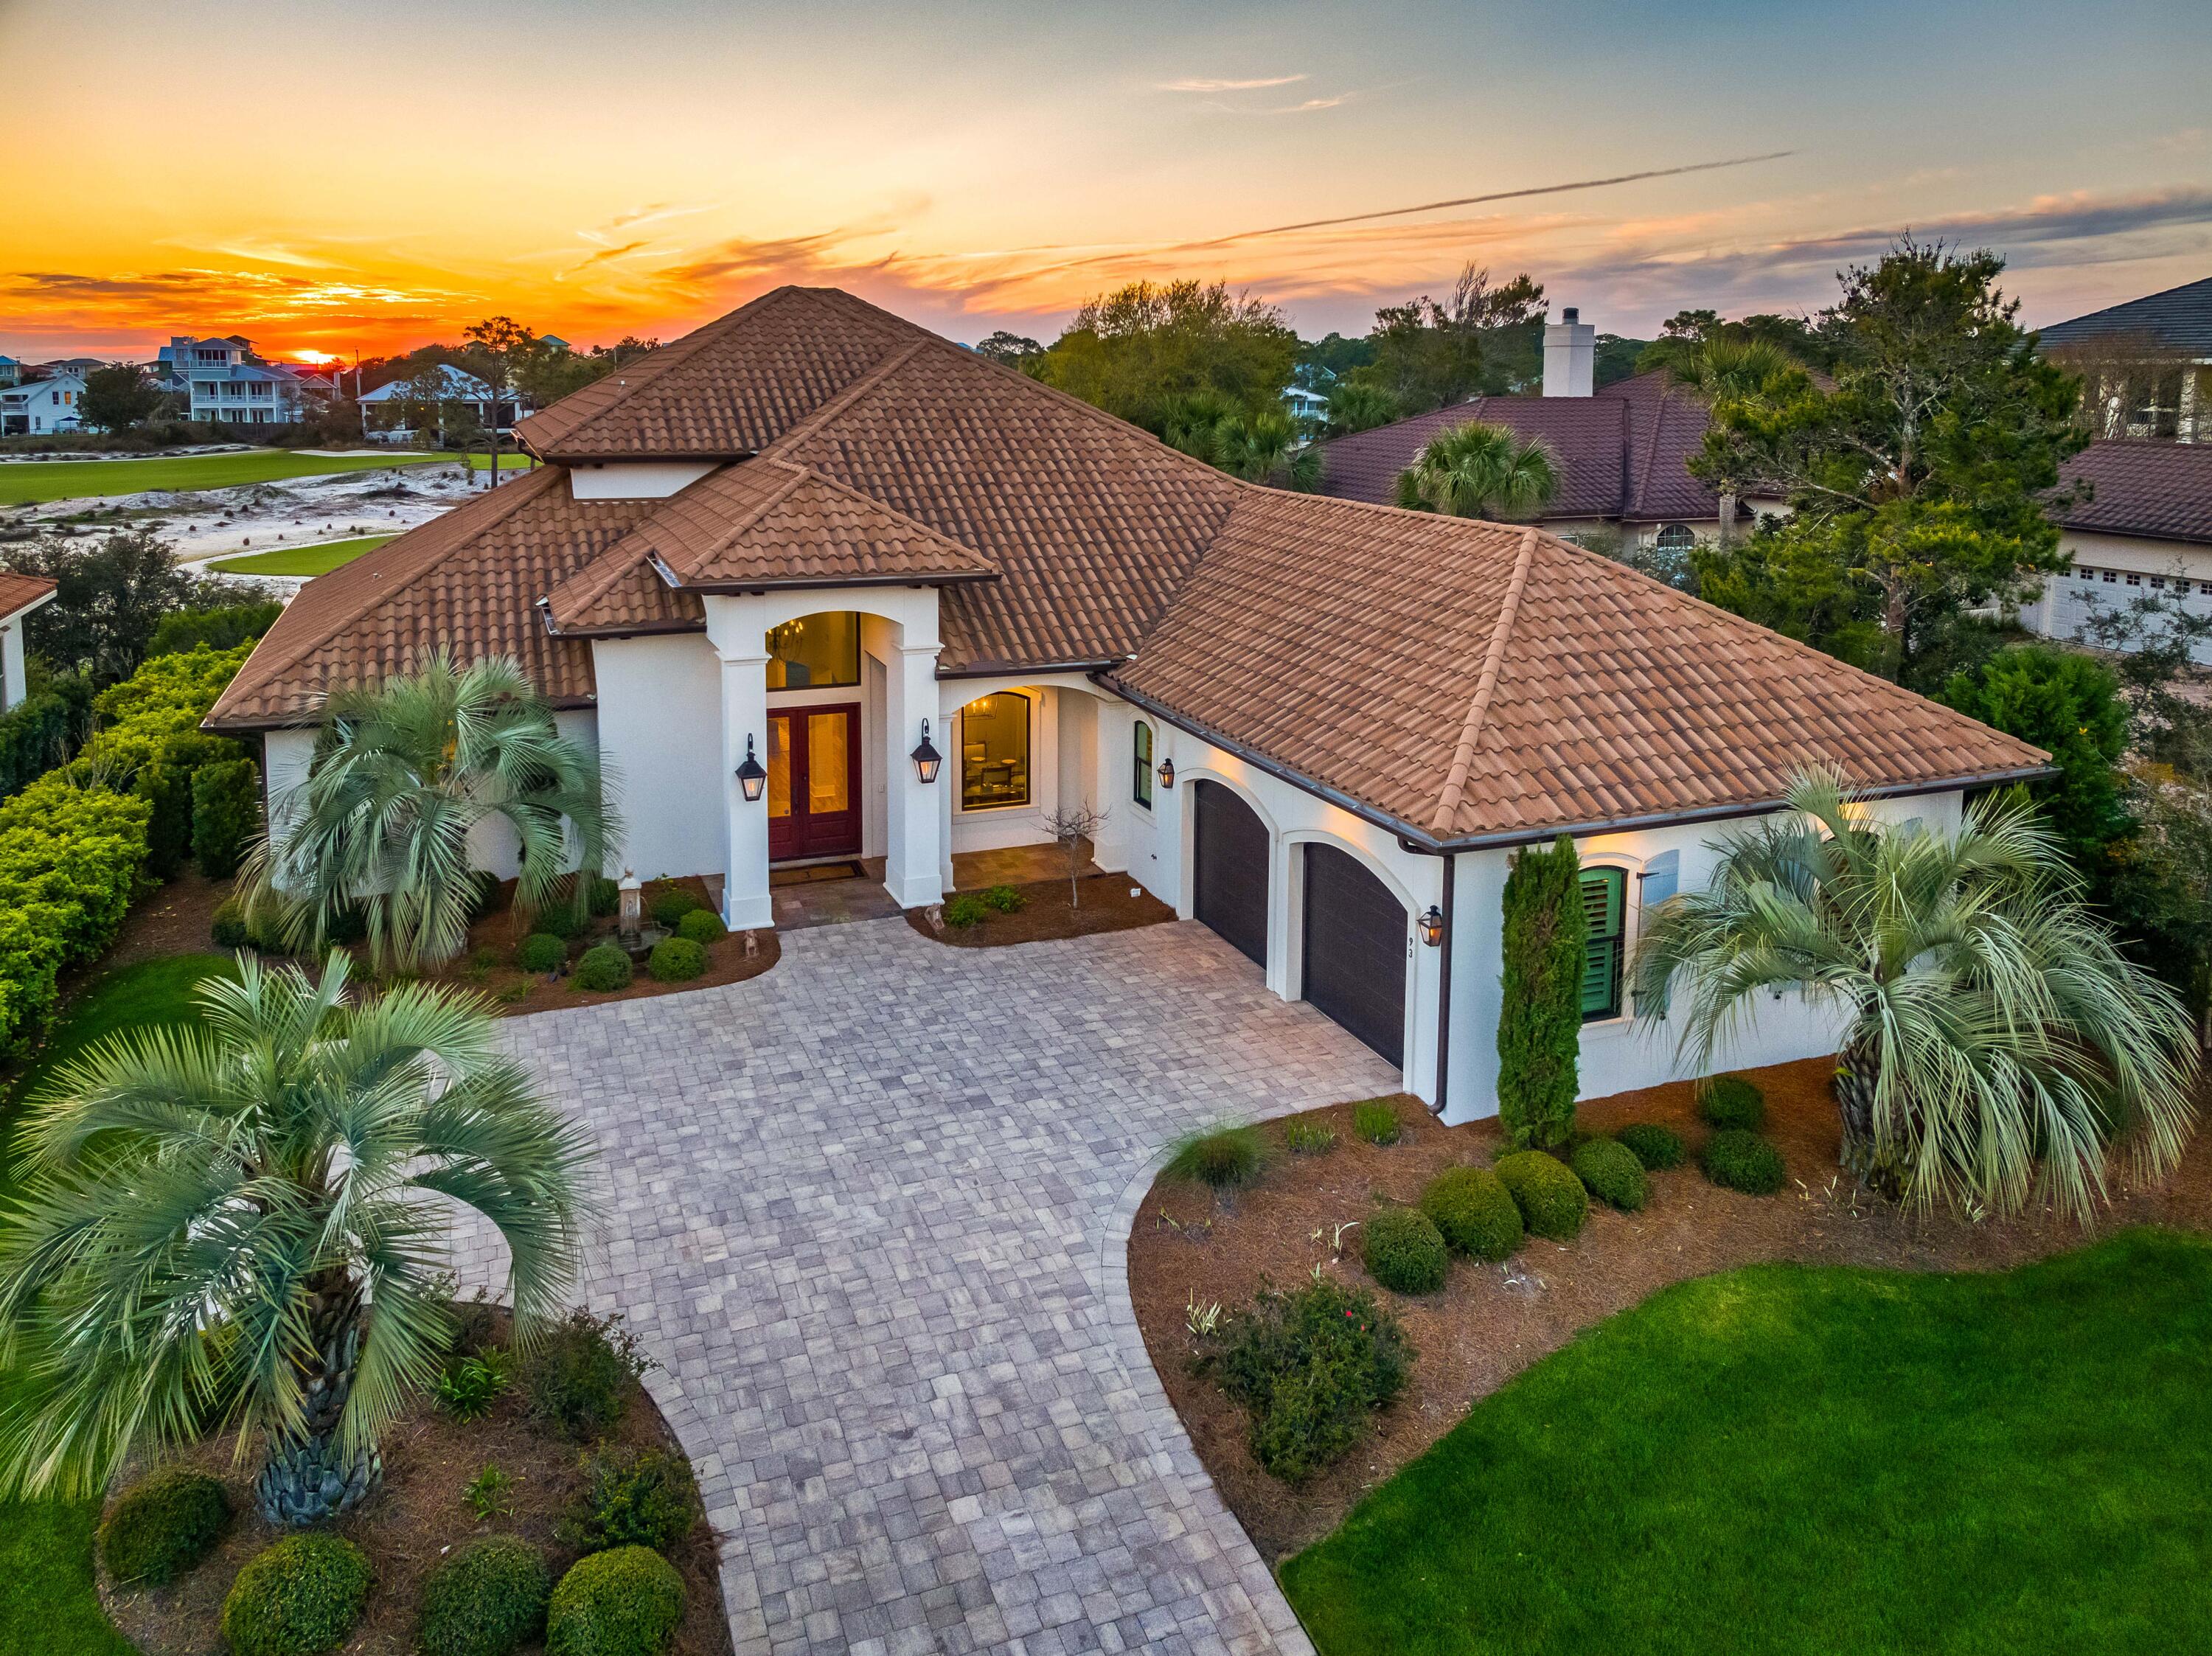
[
  {"x": 1232, "y": 870},
  {"x": 1355, "y": 949}
]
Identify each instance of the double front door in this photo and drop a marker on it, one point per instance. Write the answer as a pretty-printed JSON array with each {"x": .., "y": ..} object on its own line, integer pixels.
[{"x": 813, "y": 783}]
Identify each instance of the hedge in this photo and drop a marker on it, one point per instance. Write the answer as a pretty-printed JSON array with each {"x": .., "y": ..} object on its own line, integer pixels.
[
  {"x": 168, "y": 696},
  {"x": 43, "y": 730},
  {"x": 224, "y": 628},
  {"x": 226, "y": 814},
  {"x": 69, "y": 857}
]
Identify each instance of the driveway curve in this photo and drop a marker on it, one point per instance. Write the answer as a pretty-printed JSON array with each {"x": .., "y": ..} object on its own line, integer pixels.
[{"x": 868, "y": 1211}]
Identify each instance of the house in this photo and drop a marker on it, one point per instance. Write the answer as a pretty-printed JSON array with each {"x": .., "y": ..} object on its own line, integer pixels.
[
  {"x": 11, "y": 372},
  {"x": 2148, "y": 362},
  {"x": 19, "y": 596},
  {"x": 224, "y": 381},
  {"x": 821, "y": 585},
  {"x": 1304, "y": 403},
  {"x": 1622, "y": 450},
  {"x": 42, "y": 405},
  {"x": 2145, "y": 528},
  {"x": 455, "y": 387}
]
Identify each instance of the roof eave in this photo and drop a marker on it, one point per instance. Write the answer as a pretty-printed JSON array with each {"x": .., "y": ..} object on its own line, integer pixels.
[{"x": 725, "y": 588}]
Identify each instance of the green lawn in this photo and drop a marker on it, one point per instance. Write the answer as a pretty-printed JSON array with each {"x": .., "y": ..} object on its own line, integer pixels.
[
  {"x": 1793, "y": 1459},
  {"x": 299, "y": 560},
  {"x": 508, "y": 461},
  {"x": 46, "y": 1598},
  {"x": 29, "y": 482}
]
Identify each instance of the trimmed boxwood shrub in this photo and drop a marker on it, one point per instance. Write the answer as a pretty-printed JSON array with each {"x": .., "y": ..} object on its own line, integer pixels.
[
  {"x": 1735, "y": 1158},
  {"x": 1310, "y": 1366},
  {"x": 299, "y": 1598},
  {"x": 1223, "y": 1159},
  {"x": 580, "y": 1375},
  {"x": 1610, "y": 1172},
  {"x": 541, "y": 951},
  {"x": 676, "y": 960},
  {"x": 164, "y": 1526},
  {"x": 1404, "y": 1252},
  {"x": 1732, "y": 1102},
  {"x": 229, "y": 929},
  {"x": 627, "y": 1602},
  {"x": 485, "y": 1599},
  {"x": 702, "y": 925},
  {"x": 633, "y": 1497},
  {"x": 1547, "y": 1191},
  {"x": 226, "y": 814},
  {"x": 669, "y": 905},
  {"x": 1656, "y": 1147},
  {"x": 601, "y": 967},
  {"x": 1474, "y": 1212},
  {"x": 70, "y": 852}
]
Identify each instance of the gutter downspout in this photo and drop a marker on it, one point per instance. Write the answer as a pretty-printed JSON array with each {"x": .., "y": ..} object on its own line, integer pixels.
[{"x": 1443, "y": 993}]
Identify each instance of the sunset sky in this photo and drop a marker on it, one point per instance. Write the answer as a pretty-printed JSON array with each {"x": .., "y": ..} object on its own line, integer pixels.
[{"x": 344, "y": 175}]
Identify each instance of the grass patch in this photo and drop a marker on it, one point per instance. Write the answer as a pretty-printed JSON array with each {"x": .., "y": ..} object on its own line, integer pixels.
[
  {"x": 27, "y": 483},
  {"x": 508, "y": 460},
  {"x": 300, "y": 559},
  {"x": 1795, "y": 1459}
]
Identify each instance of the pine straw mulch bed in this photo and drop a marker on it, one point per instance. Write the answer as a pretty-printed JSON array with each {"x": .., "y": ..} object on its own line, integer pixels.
[
  {"x": 1492, "y": 1321},
  {"x": 415, "y": 1519},
  {"x": 1107, "y": 902}
]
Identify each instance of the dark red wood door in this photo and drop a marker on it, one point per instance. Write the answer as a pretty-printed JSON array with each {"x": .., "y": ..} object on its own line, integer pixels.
[{"x": 813, "y": 783}]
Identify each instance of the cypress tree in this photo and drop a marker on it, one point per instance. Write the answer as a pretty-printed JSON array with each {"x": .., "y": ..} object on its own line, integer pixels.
[{"x": 1540, "y": 1026}]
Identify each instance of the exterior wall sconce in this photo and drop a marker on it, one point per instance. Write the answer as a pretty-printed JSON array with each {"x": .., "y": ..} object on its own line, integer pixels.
[
  {"x": 1166, "y": 773},
  {"x": 925, "y": 757},
  {"x": 1432, "y": 925},
  {"x": 751, "y": 777}
]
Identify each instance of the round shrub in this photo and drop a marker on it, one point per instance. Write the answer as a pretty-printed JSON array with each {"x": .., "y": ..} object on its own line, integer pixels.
[
  {"x": 676, "y": 960},
  {"x": 541, "y": 951},
  {"x": 1474, "y": 1212},
  {"x": 601, "y": 967},
  {"x": 1732, "y": 1102},
  {"x": 299, "y": 1598},
  {"x": 560, "y": 919},
  {"x": 1610, "y": 1172},
  {"x": 1736, "y": 1158},
  {"x": 228, "y": 930},
  {"x": 1403, "y": 1251},
  {"x": 669, "y": 906},
  {"x": 264, "y": 927},
  {"x": 622, "y": 1603},
  {"x": 485, "y": 1599},
  {"x": 1547, "y": 1191},
  {"x": 1222, "y": 1159},
  {"x": 1656, "y": 1147},
  {"x": 164, "y": 1526},
  {"x": 702, "y": 925}
]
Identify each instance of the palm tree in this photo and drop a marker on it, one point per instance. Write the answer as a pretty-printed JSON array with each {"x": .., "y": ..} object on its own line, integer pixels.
[
  {"x": 1721, "y": 369},
  {"x": 1481, "y": 470},
  {"x": 401, "y": 776},
  {"x": 242, "y": 1221},
  {"x": 1996, "y": 1042},
  {"x": 1357, "y": 405},
  {"x": 1262, "y": 448}
]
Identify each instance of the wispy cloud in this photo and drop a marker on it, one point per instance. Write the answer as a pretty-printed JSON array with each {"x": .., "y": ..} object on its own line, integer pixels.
[{"x": 1199, "y": 83}]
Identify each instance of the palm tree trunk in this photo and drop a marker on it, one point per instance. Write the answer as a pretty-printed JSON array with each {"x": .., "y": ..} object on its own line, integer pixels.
[
  {"x": 1863, "y": 1155},
  {"x": 310, "y": 1476}
]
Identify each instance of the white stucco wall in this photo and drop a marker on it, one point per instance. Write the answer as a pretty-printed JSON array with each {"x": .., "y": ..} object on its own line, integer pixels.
[
  {"x": 660, "y": 737},
  {"x": 12, "y": 683},
  {"x": 651, "y": 480}
]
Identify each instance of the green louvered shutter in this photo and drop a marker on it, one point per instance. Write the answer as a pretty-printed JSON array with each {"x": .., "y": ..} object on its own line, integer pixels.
[{"x": 1604, "y": 890}]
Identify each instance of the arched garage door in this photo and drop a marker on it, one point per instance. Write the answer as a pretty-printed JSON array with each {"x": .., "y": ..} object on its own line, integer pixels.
[
  {"x": 1355, "y": 949},
  {"x": 1232, "y": 870}
]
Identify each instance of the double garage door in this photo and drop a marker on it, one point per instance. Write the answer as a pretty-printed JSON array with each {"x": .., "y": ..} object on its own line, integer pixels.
[{"x": 1354, "y": 964}]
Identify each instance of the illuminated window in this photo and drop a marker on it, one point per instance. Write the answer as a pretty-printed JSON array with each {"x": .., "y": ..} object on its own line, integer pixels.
[
  {"x": 815, "y": 651},
  {"x": 994, "y": 751},
  {"x": 1140, "y": 782}
]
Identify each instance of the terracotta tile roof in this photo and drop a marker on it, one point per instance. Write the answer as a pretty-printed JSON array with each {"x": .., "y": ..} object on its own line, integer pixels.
[
  {"x": 1622, "y": 454},
  {"x": 1473, "y": 680},
  {"x": 469, "y": 581},
  {"x": 19, "y": 592},
  {"x": 2163, "y": 490}
]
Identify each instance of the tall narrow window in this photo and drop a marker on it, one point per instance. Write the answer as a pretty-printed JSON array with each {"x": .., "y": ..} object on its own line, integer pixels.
[
  {"x": 1140, "y": 781},
  {"x": 1604, "y": 906},
  {"x": 994, "y": 751}
]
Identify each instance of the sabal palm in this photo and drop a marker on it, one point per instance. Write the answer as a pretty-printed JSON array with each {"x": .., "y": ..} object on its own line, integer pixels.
[
  {"x": 244, "y": 1220},
  {"x": 401, "y": 776},
  {"x": 1266, "y": 448},
  {"x": 1721, "y": 369},
  {"x": 1481, "y": 470},
  {"x": 1994, "y": 1041}
]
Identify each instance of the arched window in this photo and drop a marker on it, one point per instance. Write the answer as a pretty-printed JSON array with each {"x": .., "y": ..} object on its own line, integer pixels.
[
  {"x": 1676, "y": 537},
  {"x": 994, "y": 751},
  {"x": 1140, "y": 780}
]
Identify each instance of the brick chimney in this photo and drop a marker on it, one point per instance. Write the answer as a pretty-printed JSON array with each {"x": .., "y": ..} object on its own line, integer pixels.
[{"x": 1569, "y": 355}]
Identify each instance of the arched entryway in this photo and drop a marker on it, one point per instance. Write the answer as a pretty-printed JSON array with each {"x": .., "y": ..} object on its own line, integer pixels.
[
  {"x": 1230, "y": 867},
  {"x": 1354, "y": 951}
]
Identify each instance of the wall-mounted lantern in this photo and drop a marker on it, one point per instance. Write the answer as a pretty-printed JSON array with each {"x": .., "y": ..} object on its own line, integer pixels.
[
  {"x": 1166, "y": 773},
  {"x": 925, "y": 757},
  {"x": 751, "y": 777},
  {"x": 1432, "y": 925}
]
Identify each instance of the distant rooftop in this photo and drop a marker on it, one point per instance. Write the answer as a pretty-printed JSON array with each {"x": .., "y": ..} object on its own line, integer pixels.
[{"x": 2179, "y": 319}]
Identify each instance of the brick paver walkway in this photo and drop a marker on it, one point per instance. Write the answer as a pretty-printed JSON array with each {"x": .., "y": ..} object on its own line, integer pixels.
[{"x": 869, "y": 1210}]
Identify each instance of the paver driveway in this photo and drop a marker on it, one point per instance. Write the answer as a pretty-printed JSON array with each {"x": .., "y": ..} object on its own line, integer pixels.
[{"x": 870, "y": 1210}]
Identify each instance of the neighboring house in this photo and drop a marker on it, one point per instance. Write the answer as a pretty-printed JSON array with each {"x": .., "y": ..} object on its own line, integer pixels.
[
  {"x": 1622, "y": 450},
  {"x": 2146, "y": 528},
  {"x": 11, "y": 372},
  {"x": 774, "y": 567},
  {"x": 2148, "y": 364},
  {"x": 379, "y": 409},
  {"x": 222, "y": 379},
  {"x": 1305, "y": 404},
  {"x": 42, "y": 405},
  {"x": 19, "y": 596}
]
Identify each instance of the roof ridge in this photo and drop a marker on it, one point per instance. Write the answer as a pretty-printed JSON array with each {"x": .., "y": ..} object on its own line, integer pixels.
[
  {"x": 1485, "y": 685},
  {"x": 807, "y": 474},
  {"x": 816, "y": 417},
  {"x": 752, "y": 514}
]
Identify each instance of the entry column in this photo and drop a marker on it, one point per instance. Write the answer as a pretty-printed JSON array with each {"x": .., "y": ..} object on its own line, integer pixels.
[
  {"x": 736, "y": 628},
  {"x": 914, "y": 854}
]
